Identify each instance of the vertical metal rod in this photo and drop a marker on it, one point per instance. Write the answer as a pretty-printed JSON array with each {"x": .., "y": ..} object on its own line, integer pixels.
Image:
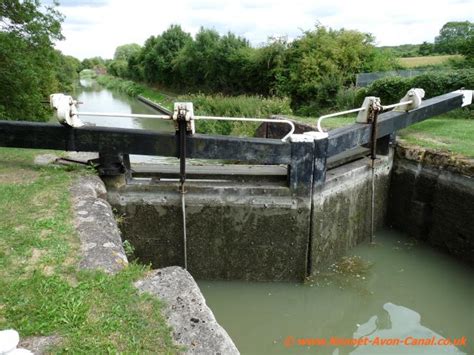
[
  {"x": 372, "y": 213},
  {"x": 373, "y": 156},
  {"x": 182, "y": 151},
  {"x": 183, "y": 211},
  {"x": 182, "y": 178}
]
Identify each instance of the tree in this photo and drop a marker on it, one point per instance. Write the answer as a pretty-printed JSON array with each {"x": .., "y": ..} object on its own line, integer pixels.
[
  {"x": 93, "y": 63},
  {"x": 267, "y": 72},
  {"x": 467, "y": 48},
  {"x": 67, "y": 73},
  {"x": 118, "y": 68},
  {"x": 453, "y": 36},
  {"x": 123, "y": 54},
  {"x": 425, "y": 49},
  {"x": 25, "y": 20},
  {"x": 29, "y": 65},
  {"x": 215, "y": 63},
  {"x": 322, "y": 61},
  {"x": 125, "y": 51},
  {"x": 135, "y": 67},
  {"x": 159, "y": 53}
]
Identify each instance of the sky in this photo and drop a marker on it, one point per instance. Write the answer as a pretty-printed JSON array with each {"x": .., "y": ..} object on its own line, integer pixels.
[{"x": 97, "y": 27}]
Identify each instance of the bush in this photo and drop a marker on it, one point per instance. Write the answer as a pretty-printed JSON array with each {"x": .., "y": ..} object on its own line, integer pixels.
[
  {"x": 126, "y": 86},
  {"x": 235, "y": 106},
  {"x": 392, "y": 89},
  {"x": 440, "y": 83},
  {"x": 87, "y": 74},
  {"x": 348, "y": 98}
]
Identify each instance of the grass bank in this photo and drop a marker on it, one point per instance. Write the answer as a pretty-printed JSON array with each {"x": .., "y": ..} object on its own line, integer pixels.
[
  {"x": 42, "y": 292},
  {"x": 442, "y": 133}
]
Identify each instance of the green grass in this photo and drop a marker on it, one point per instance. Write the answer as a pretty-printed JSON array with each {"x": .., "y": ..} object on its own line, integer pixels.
[
  {"x": 452, "y": 132},
  {"x": 328, "y": 123},
  {"x": 41, "y": 290},
  {"x": 413, "y": 62},
  {"x": 443, "y": 133}
]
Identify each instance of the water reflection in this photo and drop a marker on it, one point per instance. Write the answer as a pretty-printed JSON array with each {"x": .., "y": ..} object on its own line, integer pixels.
[
  {"x": 399, "y": 331},
  {"x": 98, "y": 99}
]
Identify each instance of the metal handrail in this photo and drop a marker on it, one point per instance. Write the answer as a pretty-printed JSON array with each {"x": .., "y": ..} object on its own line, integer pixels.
[
  {"x": 215, "y": 118},
  {"x": 386, "y": 107}
]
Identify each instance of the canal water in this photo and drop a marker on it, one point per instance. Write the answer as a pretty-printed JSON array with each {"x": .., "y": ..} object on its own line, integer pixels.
[
  {"x": 395, "y": 289},
  {"x": 95, "y": 98}
]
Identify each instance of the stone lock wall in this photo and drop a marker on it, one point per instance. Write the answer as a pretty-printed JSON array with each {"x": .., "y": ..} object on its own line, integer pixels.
[
  {"x": 432, "y": 199},
  {"x": 244, "y": 233},
  {"x": 342, "y": 209},
  {"x": 251, "y": 231}
]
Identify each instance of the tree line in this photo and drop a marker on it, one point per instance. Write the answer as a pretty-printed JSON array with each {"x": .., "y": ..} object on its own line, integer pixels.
[
  {"x": 455, "y": 37},
  {"x": 310, "y": 70},
  {"x": 30, "y": 67},
  {"x": 315, "y": 70}
]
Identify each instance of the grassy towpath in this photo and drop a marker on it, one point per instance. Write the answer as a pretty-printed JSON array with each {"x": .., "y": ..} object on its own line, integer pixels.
[
  {"x": 452, "y": 132},
  {"x": 42, "y": 292}
]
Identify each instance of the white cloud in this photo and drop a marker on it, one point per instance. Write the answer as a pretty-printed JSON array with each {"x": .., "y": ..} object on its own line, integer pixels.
[{"x": 97, "y": 28}]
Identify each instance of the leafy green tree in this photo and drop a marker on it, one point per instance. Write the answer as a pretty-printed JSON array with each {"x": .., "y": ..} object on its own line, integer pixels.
[
  {"x": 467, "y": 48},
  {"x": 322, "y": 61},
  {"x": 215, "y": 63},
  {"x": 425, "y": 49},
  {"x": 198, "y": 61},
  {"x": 267, "y": 73},
  {"x": 118, "y": 68},
  {"x": 135, "y": 67},
  {"x": 119, "y": 65},
  {"x": 124, "y": 52},
  {"x": 453, "y": 37},
  {"x": 161, "y": 51},
  {"x": 96, "y": 63},
  {"x": 67, "y": 73},
  {"x": 29, "y": 65}
]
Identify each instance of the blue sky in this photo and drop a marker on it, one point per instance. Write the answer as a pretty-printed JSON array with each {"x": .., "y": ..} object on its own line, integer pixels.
[{"x": 96, "y": 28}]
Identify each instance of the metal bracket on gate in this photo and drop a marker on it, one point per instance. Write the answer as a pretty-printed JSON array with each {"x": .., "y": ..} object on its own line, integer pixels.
[
  {"x": 410, "y": 101},
  {"x": 184, "y": 111}
]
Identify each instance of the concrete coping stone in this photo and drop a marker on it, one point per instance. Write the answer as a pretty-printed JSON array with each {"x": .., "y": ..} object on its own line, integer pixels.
[
  {"x": 101, "y": 242},
  {"x": 194, "y": 325}
]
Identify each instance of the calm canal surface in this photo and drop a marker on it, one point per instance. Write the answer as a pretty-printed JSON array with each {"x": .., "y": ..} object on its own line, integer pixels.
[
  {"x": 410, "y": 289},
  {"x": 98, "y": 99}
]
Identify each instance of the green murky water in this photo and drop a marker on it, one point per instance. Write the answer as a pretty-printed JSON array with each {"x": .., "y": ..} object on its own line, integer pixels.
[{"x": 410, "y": 290}]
